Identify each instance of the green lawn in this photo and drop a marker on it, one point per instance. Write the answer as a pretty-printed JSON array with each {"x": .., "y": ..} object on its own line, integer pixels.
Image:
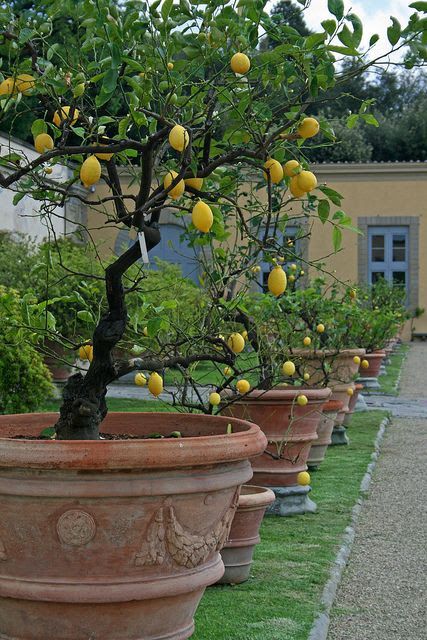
[
  {"x": 388, "y": 381},
  {"x": 292, "y": 564}
]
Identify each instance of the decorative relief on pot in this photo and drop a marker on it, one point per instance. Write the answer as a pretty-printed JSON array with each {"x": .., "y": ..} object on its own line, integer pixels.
[
  {"x": 3, "y": 554},
  {"x": 76, "y": 527},
  {"x": 166, "y": 536}
]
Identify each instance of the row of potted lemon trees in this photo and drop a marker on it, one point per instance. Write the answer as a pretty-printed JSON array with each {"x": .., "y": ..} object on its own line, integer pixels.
[{"x": 102, "y": 523}]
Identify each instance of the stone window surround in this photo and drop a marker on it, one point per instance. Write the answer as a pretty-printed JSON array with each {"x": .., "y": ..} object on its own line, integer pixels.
[{"x": 412, "y": 222}]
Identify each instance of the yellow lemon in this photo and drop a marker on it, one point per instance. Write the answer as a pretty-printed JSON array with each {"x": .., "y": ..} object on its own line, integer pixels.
[
  {"x": 277, "y": 281},
  {"x": 48, "y": 170},
  {"x": 350, "y": 392},
  {"x": 79, "y": 90},
  {"x": 244, "y": 334},
  {"x": 356, "y": 360},
  {"x": 303, "y": 478},
  {"x": 145, "y": 331},
  {"x": 43, "y": 142},
  {"x": 178, "y": 138},
  {"x": 320, "y": 328},
  {"x": 178, "y": 189},
  {"x": 228, "y": 371},
  {"x": 214, "y": 399},
  {"x": 306, "y": 181},
  {"x": 140, "y": 380},
  {"x": 295, "y": 189},
  {"x": 308, "y": 128},
  {"x": 291, "y": 168},
  {"x": 155, "y": 384},
  {"x": 7, "y": 87},
  {"x": 202, "y": 216},
  {"x": 280, "y": 259},
  {"x": 301, "y": 272},
  {"x": 194, "y": 183},
  {"x": 236, "y": 342},
  {"x": 291, "y": 278},
  {"x": 274, "y": 170},
  {"x": 170, "y": 66},
  {"x": 293, "y": 266},
  {"x": 364, "y": 364},
  {"x": 60, "y": 116},
  {"x": 307, "y": 341},
  {"x": 90, "y": 171},
  {"x": 240, "y": 63},
  {"x": 104, "y": 156},
  {"x": 256, "y": 268},
  {"x": 288, "y": 368},
  {"x": 25, "y": 83},
  {"x": 243, "y": 386},
  {"x": 86, "y": 352},
  {"x": 306, "y": 376},
  {"x": 302, "y": 400}
]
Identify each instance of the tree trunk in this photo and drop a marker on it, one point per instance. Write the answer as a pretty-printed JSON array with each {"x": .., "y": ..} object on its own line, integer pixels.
[{"x": 84, "y": 406}]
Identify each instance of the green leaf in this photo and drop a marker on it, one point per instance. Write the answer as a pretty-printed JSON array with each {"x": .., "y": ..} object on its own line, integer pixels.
[
  {"x": 345, "y": 51},
  {"x": 85, "y": 316},
  {"x": 52, "y": 50},
  {"x": 18, "y": 197},
  {"x": 336, "y": 7},
  {"x": 369, "y": 118},
  {"x": 419, "y": 6},
  {"x": 38, "y": 126},
  {"x": 373, "y": 39},
  {"x": 314, "y": 40},
  {"x": 110, "y": 80},
  {"x": 25, "y": 34},
  {"x": 329, "y": 26},
  {"x": 323, "y": 209},
  {"x": 346, "y": 37},
  {"x": 336, "y": 238},
  {"x": 352, "y": 120},
  {"x": 166, "y": 9},
  {"x": 357, "y": 28},
  {"x": 333, "y": 195},
  {"x": 393, "y": 32}
]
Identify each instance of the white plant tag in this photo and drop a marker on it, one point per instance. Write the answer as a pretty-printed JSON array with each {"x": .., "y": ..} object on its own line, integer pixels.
[{"x": 143, "y": 245}]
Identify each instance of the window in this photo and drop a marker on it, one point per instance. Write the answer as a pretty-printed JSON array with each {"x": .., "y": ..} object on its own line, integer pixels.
[
  {"x": 291, "y": 248},
  {"x": 388, "y": 255}
]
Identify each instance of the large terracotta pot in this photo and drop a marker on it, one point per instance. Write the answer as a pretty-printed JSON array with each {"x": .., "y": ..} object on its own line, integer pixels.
[
  {"x": 324, "y": 431},
  {"x": 340, "y": 393},
  {"x": 116, "y": 539},
  {"x": 238, "y": 551},
  {"x": 352, "y": 404},
  {"x": 290, "y": 431},
  {"x": 327, "y": 367},
  {"x": 375, "y": 360}
]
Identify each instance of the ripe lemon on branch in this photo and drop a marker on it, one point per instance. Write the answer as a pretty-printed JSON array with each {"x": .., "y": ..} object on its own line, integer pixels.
[
  {"x": 306, "y": 181},
  {"x": 177, "y": 191},
  {"x": 288, "y": 368},
  {"x": 178, "y": 138},
  {"x": 155, "y": 384},
  {"x": 214, "y": 398},
  {"x": 308, "y": 128},
  {"x": 86, "y": 352},
  {"x": 240, "y": 63},
  {"x": 7, "y": 87},
  {"x": 277, "y": 281},
  {"x": 202, "y": 216},
  {"x": 60, "y": 116},
  {"x": 295, "y": 189},
  {"x": 43, "y": 142},
  {"x": 194, "y": 183},
  {"x": 140, "y": 380},
  {"x": 90, "y": 171},
  {"x": 243, "y": 386},
  {"x": 25, "y": 83},
  {"x": 291, "y": 168},
  {"x": 274, "y": 169},
  {"x": 236, "y": 342}
]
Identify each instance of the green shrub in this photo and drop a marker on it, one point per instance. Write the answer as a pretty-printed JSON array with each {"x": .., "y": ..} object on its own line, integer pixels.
[{"x": 24, "y": 379}]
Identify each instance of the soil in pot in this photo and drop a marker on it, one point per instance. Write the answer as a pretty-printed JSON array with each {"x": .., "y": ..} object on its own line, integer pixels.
[
  {"x": 116, "y": 540},
  {"x": 238, "y": 551}
]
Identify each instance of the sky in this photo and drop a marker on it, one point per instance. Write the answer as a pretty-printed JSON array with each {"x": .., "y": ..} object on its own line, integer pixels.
[{"x": 375, "y": 16}]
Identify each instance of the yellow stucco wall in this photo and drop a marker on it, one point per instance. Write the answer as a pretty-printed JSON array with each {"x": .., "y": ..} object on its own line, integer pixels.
[{"x": 392, "y": 190}]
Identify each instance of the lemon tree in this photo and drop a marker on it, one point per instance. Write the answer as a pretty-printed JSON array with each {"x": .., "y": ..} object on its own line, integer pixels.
[{"x": 212, "y": 130}]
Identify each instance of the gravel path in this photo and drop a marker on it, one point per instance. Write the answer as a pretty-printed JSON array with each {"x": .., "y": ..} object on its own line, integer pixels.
[{"x": 383, "y": 593}]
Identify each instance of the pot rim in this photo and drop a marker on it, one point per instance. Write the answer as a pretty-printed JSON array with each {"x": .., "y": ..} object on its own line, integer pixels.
[
  {"x": 143, "y": 454},
  {"x": 282, "y": 395},
  {"x": 254, "y": 496},
  {"x": 332, "y": 405}
]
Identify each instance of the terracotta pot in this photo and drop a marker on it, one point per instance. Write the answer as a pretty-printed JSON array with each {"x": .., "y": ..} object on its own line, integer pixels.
[
  {"x": 375, "y": 360},
  {"x": 326, "y": 367},
  {"x": 116, "y": 539},
  {"x": 340, "y": 393},
  {"x": 324, "y": 431},
  {"x": 352, "y": 403},
  {"x": 290, "y": 430},
  {"x": 238, "y": 551}
]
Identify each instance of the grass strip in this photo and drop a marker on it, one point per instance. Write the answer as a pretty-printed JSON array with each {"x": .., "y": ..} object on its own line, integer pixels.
[
  {"x": 292, "y": 564},
  {"x": 118, "y": 404},
  {"x": 389, "y": 381}
]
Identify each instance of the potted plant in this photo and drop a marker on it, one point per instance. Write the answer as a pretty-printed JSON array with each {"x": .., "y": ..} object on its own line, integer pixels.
[{"x": 119, "y": 526}]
